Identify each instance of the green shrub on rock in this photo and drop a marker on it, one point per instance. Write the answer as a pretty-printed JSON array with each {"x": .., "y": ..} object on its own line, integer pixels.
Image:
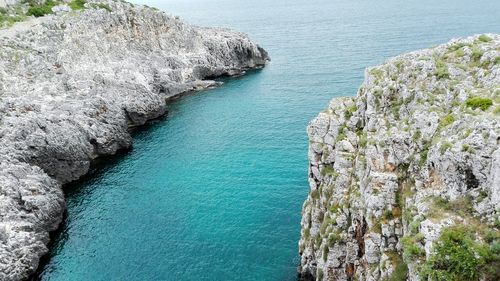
[
  {"x": 476, "y": 54},
  {"x": 400, "y": 272},
  {"x": 478, "y": 102},
  {"x": 456, "y": 256},
  {"x": 8, "y": 20},
  {"x": 445, "y": 146},
  {"x": 101, "y": 6},
  {"x": 411, "y": 250},
  {"x": 441, "y": 70},
  {"x": 77, "y": 4},
  {"x": 484, "y": 38},
  {"x": 40, "y": 10},
  {"x": 446, "y": 120}
]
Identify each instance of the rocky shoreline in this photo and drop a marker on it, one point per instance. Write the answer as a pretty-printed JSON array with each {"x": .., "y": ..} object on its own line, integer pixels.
[
  {"x": 71, "y": 86},
  {"x": 405, "y": 177}
]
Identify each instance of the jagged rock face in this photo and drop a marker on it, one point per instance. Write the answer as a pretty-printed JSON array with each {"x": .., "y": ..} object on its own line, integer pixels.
[
  {"x": 414, "y": 153},
  {"x": 71, "y": 85}
]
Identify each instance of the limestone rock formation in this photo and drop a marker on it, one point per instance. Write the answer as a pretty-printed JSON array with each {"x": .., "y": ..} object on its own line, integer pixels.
[
  {"x": 405, "y": 177},
  {"x": 71, "y": 86}
]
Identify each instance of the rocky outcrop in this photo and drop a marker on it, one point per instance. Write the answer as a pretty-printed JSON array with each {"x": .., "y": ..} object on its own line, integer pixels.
[
  {"x": 71, "y": 86},
  {"x": 405, "y": 177}
]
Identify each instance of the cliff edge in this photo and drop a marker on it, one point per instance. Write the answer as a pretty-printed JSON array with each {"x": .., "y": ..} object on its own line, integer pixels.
[
  {"x": 405, "y": 177},
  {"x": 72, "y": 82}
]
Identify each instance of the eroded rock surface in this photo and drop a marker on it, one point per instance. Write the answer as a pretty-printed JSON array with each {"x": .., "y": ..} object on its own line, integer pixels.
[
  {"x": 410, "y": 161},
  {"x": 71, "y": 85}
]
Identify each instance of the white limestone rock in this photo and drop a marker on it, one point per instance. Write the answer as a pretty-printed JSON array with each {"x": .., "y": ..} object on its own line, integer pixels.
[
  {"x": 403, "y": 160},
  {"x": 71, "y": 86}
]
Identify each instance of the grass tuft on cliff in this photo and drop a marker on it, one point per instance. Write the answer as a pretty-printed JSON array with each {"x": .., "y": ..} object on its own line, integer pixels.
[
  {"x": 8, "y": 17},
  {"x": 39, "y": 10},
  {"x": 15, "y": 13},
  {"x": 478, "y": 102},
  {"x": 458, "y": 256},
  {"x": 77, "y": 4},
  {"x": 101, "y": 6},
  {"x": 441, "y": 70}
]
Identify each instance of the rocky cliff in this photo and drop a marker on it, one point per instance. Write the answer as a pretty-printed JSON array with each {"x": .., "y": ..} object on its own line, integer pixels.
[
  {"x": 71, "y": 86},
  {"x": 405, "y": 177}
]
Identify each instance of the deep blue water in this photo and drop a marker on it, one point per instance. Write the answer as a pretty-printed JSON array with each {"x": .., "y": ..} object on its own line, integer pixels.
[{"x": 214, "y": 191}]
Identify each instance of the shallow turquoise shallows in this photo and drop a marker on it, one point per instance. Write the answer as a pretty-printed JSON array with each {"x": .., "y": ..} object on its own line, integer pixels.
[{"x": 214, "y": 191}]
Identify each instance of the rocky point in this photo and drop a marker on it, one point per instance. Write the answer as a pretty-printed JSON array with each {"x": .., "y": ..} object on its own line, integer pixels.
[
  {"x": 72, "y": 84},
  {"x": 405, "y": 177}
]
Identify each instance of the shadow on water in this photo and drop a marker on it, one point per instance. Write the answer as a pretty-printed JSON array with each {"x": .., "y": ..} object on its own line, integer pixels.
[
  {"x": 81, "y": 186},
  {"x": 100, "y": 166}
]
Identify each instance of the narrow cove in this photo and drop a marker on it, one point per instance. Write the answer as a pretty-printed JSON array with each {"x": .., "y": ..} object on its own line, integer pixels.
[
  {"x": 210, "y": 197},
  {"x": 214, "y": 191}
]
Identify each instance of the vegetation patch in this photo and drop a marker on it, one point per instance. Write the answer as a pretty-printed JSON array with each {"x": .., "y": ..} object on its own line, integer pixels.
[
  {"x": 400, "y": 272},
  {"x": 17, "y": 13},
  {"x": 349, "y": 111},
  {"x": 315, "y": 194},
  {"x": 101, "y": 6},
  {"x": 388, "y": 215},
  {"x": 415, "y": 226},
  {"x": 459, "y": 53},
  {"x": 341, "y": 133},
  {"x": 445, "y": 146},
  {"x": 77, "y": 4},
  {"x": 333, "y": 238},
  {"x": 461, "y": 206},
  {"x": 417, "y": 135},
  {"x": 476, "y": 54},
  {"x": 363, "y": 140},
  {"x": 326, "y": 250},
  {"x": 446, "y": 120},
  {"x": 484, "y": 38},
  {"x": 40, "y": 10},
  {"x": 335, "y": 208},
  {"x": 411, "y": 248},
  {"x": 328, "y": 170},
  {"x": 377, "y": 226},
  {"x": 8, "y": 18},
  {"x": 456, "y": 47},
  {"x": 378, "y": 73},
  {"x": 326, "y": 223},
  {"x": 424, "y": 153},
  {"x": 457, "y": 256},
  {"x": 318, "y": 241},
  {"x": 441, "y": 70},
  {"x": 307, "y": 233},
  {"x": 479, "y": 102},
  {"x": 467, "y": 148}
]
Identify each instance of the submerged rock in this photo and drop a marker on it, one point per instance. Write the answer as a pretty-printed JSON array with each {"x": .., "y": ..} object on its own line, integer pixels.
[
  {"x": 405, "y": 177},
  {"x": 71, "y": 85}
]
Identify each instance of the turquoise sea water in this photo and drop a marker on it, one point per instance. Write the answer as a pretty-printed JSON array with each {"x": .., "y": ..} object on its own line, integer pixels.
[{"x": 214, "y": 191}]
